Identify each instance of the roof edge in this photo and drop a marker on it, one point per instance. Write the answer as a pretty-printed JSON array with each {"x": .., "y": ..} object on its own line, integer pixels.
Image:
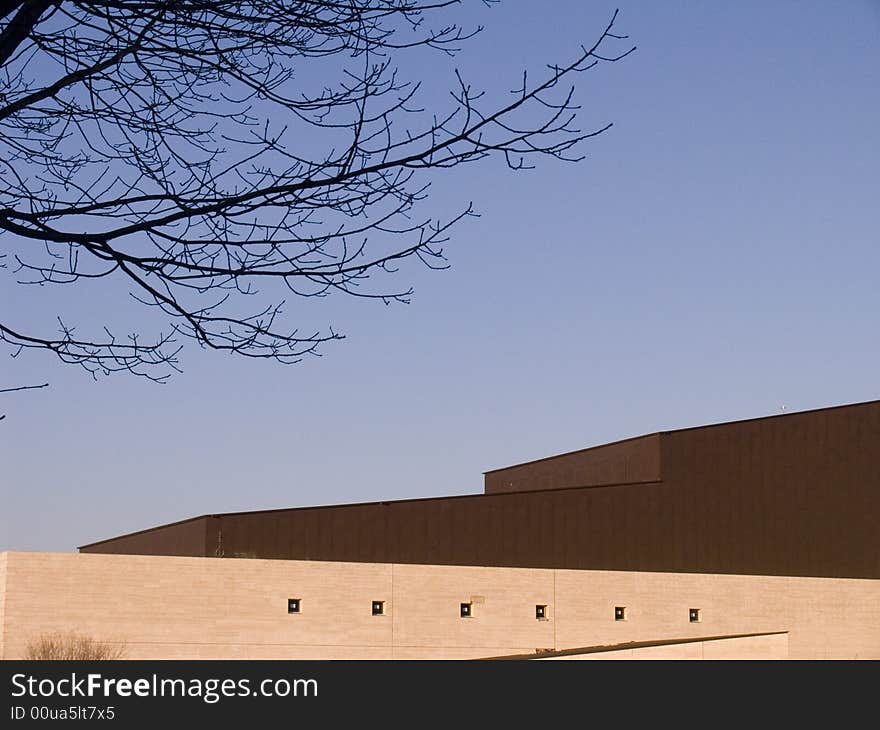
[
  {"x": 776, "y": 415},
  {"x": 686, "y": 428},
  {"x": 576, "y": 451},
  {"x": 600, "y": 649},
  {"x": 366, "y": 504},
  {"x": 144, "y": 531}
]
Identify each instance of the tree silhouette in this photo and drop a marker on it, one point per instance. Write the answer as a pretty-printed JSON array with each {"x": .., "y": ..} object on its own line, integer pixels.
[{"x": 200, "y": 150}]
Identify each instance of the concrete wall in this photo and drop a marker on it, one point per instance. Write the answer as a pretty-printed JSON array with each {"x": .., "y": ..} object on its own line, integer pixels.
[{"x": 182, "y": 607}]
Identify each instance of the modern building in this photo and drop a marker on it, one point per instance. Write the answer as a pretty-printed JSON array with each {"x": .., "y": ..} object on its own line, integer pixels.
[{"x": 756, "y": 538}]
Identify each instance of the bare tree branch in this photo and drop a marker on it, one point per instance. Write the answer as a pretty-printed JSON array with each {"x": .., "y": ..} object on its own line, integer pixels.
[
  {"x": 18, "y": 388},
  {"x": 195, "y": 149},
  {"x": 18, "y": 29},
  {"x": 23, "y": 387}
]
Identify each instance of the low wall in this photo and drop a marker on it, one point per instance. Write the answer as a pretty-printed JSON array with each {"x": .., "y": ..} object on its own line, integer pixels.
[{"x": 182, "y": 607}]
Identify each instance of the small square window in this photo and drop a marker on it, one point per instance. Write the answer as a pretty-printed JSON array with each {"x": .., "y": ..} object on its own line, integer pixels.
[
  {"x": 541, "y": 611},
  {"x": 467, "y": 610},
  {"x": 293, "y": 605},
  {"x": 694, "y": 615},
  {"x": 620, "y": 613},
  {"x": 378, "y": 608}
]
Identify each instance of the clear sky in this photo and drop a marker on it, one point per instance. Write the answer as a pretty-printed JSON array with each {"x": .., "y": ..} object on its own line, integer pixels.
[{"x": 715, "y": 257}]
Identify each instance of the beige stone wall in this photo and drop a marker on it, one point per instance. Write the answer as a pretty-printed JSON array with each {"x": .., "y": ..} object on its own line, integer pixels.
[
  {"x": 827, "y": 618},
  {"x": 427, "y": 619},
  {"x": 170, "y": 607},
  {"x": 180, "y": 607},
  {"x": 2, "y": 601}
]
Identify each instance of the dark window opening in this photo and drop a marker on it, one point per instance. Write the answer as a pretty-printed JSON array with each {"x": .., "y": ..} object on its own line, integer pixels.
[
  {"x": 694, "y": 615},
  {"x": 293, "y": 605},
  {"x": 378, "y": 608},
  {"x": 540, "y": 611},
  {"x": 620, "y": 613},
  {"x": 466, "y": 610}
]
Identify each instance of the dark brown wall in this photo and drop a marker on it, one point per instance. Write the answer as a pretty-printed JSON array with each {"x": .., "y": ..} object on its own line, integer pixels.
[
  {"x": 567, "y": 528},
  {"x": 187, "y": 538},
  {"x": 795, "y": 495},
  {"x": 624, "y": 462},
  {"x": 787, "y": 495}
]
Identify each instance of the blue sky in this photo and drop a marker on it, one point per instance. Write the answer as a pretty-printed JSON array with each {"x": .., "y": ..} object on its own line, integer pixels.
[{"x": 715, "y": 257}]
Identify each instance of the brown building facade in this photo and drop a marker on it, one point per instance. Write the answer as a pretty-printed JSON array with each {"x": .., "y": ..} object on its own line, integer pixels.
[
  {"x": 745, "y": 540},
  {"x": 793, "y": 495}
]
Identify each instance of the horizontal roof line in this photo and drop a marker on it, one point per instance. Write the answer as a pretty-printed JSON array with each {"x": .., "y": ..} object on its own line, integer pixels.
[
  {"x": 385, "y": 502},
  {"x": 432, "y": 499},
  {"x": 686, "y": 428}
]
